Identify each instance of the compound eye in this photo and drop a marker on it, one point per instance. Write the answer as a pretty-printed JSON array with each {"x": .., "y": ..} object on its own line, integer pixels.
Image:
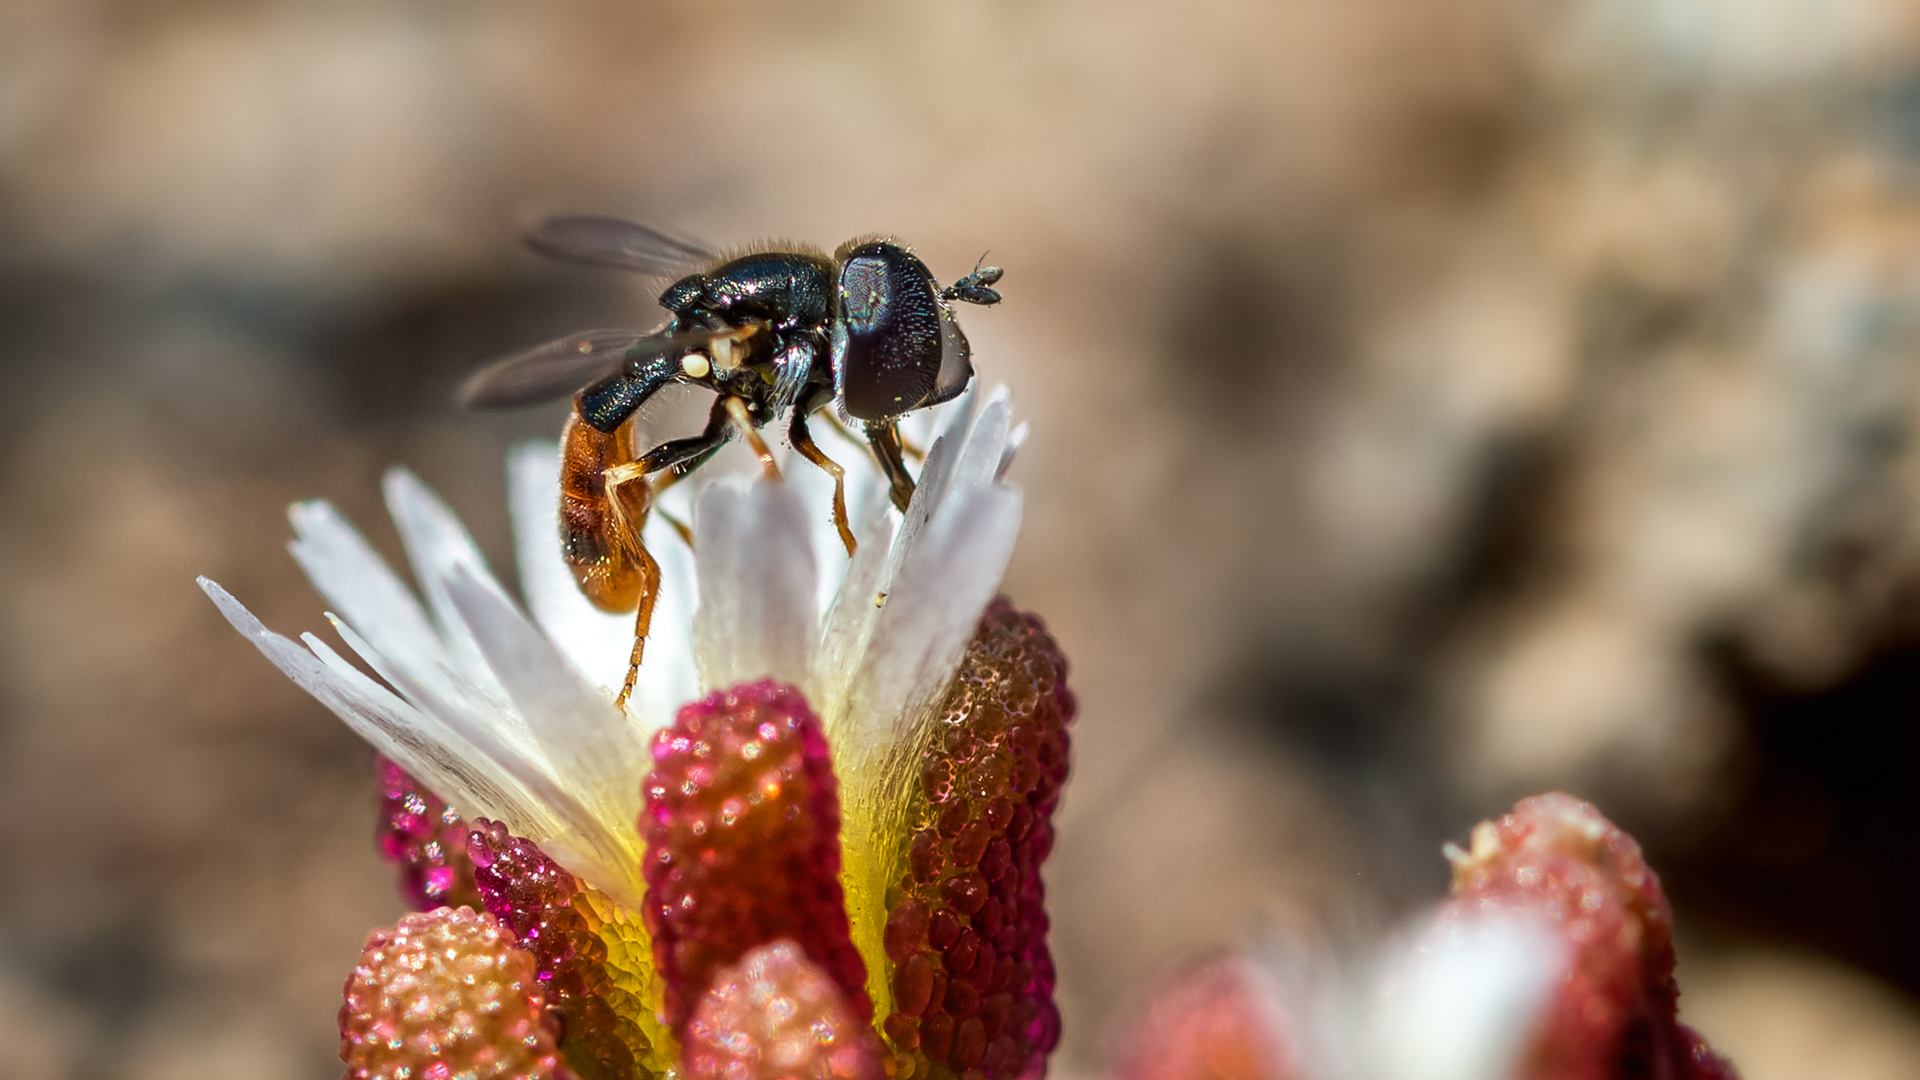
[{"x": 886, "y": 333}]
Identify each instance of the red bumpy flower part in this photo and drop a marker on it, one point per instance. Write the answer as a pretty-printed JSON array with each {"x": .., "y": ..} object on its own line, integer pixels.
[
  {"x": 533, "y": 899},
  {"x": 742, "y": 824},
  {"x": 973, "y": 980},
  {"x": 425, "y": 840},
  {"x": 445, "y": 994},
  {"x": 776, "y": 1016},
  {"x": 1617, "y": 1010}
]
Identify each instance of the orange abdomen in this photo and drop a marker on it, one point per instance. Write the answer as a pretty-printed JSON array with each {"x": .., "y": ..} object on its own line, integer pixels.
[{"x": 603, "y": 561}]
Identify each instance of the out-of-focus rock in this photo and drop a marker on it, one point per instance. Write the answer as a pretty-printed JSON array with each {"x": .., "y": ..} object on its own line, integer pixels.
[{"x": 1784, "y": 1015}]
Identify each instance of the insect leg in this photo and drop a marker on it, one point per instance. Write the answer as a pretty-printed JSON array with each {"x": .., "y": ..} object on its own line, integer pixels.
[
  {"x": 737, "y": 408},
  {"x": 669, "y": 477},
  {"x": 906, "y": 445},
  {"x": 629, "y": 497},
  {"x": 684, "y": 455},
  {"x": 884, "y": 436},
  {"x": 678, "y": 458},
  {"x": 802, "y": 441}
]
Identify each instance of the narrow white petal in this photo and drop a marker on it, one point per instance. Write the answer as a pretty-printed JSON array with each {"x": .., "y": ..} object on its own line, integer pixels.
[
  {"x": 933, "y": 608},
  {"x": 592, "y": 850},
  {"x": 942, "y": 456},
  {"x": 436, "y": 543},
  {"x": 1016, "y": 439},
  {"x": 815, "y": 489},
  {"x": 419, "y": 744},
  {"x": 454, "y": 770},
  {"x": 883, "y": 669},
  {"x": 592, "y": 638},
  {"x": 959, "y": 415},
  {"x": 551, "y": 809},
  {"x": 849, "y": 622},
  {"x": 716, "y": 620},
  {"x": 980, "y": 456},
  {"x": 758, "y": 613},
  {"x": 938, "y": 467},
  {"x": 581, "y": 734},
  {"x": 485, "y": 721},
  {"x": 358, "y": 583}
]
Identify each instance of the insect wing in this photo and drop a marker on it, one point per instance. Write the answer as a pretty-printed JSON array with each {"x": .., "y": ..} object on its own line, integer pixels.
[
  {"x": 548, "y": 371},
  {"x": 615, "y": 242},
  {"x": 887, "y": 333}
]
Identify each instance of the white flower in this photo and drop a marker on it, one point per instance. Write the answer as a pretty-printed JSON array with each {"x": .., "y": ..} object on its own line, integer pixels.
[{"x": 513, "y": 719}]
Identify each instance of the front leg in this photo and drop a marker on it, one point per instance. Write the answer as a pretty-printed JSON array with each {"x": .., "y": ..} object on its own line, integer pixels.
[
  {"x": 884, "y": 437},
  {"x": 802, "y": 440},
  {"x": 685, "y": 455}
]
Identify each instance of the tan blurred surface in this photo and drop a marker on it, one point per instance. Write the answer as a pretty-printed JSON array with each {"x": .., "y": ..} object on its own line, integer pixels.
[
  {"x": 1418, "y": 391},
  {"x": 1783, "y": 1016}
]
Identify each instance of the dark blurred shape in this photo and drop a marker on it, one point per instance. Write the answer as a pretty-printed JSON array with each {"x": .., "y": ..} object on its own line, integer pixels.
[{"x": 1820, "y": 845}]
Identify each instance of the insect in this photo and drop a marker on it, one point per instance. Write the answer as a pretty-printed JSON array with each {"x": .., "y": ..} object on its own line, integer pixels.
[{"x": 775, "y": 333}]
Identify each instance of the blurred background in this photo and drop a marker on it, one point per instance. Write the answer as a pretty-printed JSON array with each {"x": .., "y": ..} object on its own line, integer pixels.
[{"x": 1433, "y": 404}]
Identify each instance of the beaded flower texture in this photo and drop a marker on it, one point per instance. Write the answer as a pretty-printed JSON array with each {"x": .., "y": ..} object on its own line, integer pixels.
[{"x": 809, "y": 845}]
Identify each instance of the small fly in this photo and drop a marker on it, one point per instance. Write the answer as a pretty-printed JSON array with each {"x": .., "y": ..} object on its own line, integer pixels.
[{"x": 774, "y": 334}]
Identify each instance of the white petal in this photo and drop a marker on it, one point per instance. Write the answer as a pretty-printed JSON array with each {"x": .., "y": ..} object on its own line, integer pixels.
[
  {"x": 815, "y": 489},
  {"x": 438, "y": 758},
  {"x": 456, "y": 770},
  {"x": 483, "y": 719},
  {"x": 436, "y": 543},
  {"x": 980, "y": 456},
  {"x": 357, "y": 582},
  {"x": 935, "y": 475},
  {"x": 496, "y": 734},
  {"x": 959, "y": 415},
  {"x": 931, "y": 612},
  {"x": 595, "y": 849},
  {"x": 849, "y": 622},
  {"x": 583, "y": 737},
  {"x": 883, "y": 669},
  {"x": 927, "y": 495},
  {"x": 758, "y": 613},
  {"x": 1016, "y": 439},
  {"x": 590, "y": 637}
]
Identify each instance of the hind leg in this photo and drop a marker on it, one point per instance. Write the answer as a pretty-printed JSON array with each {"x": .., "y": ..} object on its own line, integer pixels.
[{"x": 629, "y": 497}]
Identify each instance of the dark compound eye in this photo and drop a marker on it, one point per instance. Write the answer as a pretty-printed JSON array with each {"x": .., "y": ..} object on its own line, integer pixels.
[{"x": 887, "y": 336}]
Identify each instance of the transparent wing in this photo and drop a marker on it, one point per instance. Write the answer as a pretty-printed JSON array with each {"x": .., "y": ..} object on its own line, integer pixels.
[
  {"x": 570, "y": 363},
  {"x": 550, "y": 370},
  {"x": 610, "y": 241}
]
